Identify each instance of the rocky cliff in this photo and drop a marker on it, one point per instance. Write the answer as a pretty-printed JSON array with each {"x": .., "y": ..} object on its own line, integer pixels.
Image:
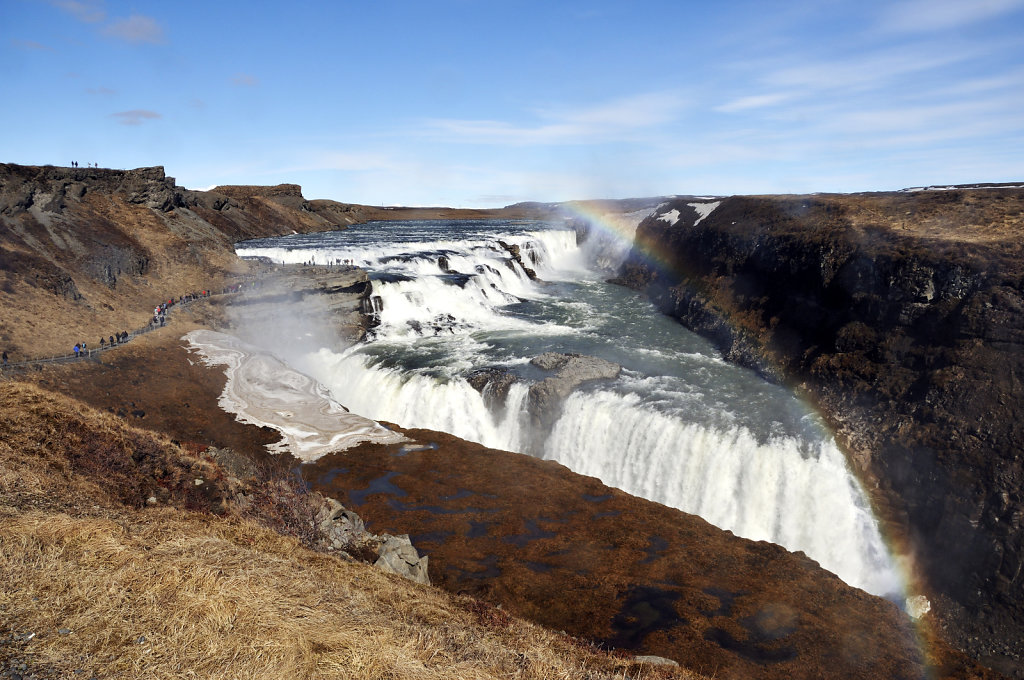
[
  {"x": 902, "y": 315},
  {"x": 89, "y": 251}
]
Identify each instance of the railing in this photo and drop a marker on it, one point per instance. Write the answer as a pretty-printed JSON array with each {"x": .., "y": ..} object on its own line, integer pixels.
[{"x": 94, "y": 352}]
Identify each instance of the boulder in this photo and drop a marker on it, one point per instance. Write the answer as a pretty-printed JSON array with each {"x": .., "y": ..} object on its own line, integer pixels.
[
  {"x": 493, "y": 383},
  {"x": 398, "y": 556},
  {"x": 544, "y": 402}
]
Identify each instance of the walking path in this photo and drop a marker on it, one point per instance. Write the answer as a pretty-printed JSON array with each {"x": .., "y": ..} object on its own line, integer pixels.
[{"x": 94, "y": 352}]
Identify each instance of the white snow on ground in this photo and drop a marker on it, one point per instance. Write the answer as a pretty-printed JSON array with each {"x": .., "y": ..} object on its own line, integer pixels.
[
  {"x": 672, "y": 216},
  {"x": 703, "y": 210},
  {"x": 263, "y": 390}
]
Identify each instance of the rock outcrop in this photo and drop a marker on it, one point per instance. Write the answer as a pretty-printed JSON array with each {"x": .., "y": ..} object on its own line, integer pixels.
[
  {"x": 902, "y": 315},
  {"x": 343, "y": 531},
  {"x": 493, "y": 383},
  {"x": 517, "y": 257},
  {"x": 544, "y": 402},
  {"x": 85, "y": 251}
]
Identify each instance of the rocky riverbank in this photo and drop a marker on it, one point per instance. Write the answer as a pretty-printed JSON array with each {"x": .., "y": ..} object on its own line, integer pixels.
[{"x": 902, "y": 315}]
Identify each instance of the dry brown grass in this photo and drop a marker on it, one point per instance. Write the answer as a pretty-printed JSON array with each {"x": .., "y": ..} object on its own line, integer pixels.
[{"x": 116, "y": 591}]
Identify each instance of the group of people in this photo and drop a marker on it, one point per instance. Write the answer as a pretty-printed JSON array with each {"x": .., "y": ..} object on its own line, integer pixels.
[
  {"x": 160, "y": 311},
  {"x": 337, "y": 262},
  {"x": 115, "y": 339},
  {"x": 82, "y": 350},
  {"x": 74, "y": 164}
]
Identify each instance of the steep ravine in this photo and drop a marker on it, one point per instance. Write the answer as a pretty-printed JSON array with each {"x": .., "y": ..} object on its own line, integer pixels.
[{"x": 902, "y": 316}]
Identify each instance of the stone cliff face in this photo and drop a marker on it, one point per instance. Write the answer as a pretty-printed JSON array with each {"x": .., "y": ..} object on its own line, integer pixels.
[
  {"x": 902, "y": 315},
  {"x": 88, "y": 251}
]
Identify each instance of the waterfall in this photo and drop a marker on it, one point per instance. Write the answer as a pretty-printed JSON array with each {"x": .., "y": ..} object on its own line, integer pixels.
[{"x": 682, "y": 427}]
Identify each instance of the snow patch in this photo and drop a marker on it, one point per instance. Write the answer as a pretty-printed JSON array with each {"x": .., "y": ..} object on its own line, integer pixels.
[
  {"x": 672, "y": 216},
  {"x": 703, "y": 210}
]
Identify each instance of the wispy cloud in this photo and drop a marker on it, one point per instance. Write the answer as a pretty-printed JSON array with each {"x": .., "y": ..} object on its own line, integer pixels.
[
  {"x": 136, "y": 29},
  {"x": 346, "y": 161},
  {"x": 608, "y": 121},
  {"x": 760, "y": 101},
  {"x": 245, "y": 80},
  {"x": 863, "y": 71},
  {"x": 89, "y": 11},
  {"x": 920, "y": 16},
  {"x": 135, "y": 116},
  {"x": 30, "y": 45},
  {"x": 103, "y": 91}
]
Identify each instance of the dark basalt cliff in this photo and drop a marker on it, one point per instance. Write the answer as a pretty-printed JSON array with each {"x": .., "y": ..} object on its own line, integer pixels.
[{"x": 902, "y": 316}]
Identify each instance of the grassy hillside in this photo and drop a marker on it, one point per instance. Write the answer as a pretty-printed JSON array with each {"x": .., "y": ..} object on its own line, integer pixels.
[{"x": 95, "y": 579}]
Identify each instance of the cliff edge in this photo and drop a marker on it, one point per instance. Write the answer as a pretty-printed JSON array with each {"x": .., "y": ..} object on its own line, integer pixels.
[
  {"x": 87, "y": 252},
  {"x": 902, "y": 315}
]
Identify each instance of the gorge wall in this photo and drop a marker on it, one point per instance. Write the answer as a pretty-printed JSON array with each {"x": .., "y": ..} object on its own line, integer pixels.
[
  {"x": 90, "y": 251},
  {"x": 902, "y": 315}
]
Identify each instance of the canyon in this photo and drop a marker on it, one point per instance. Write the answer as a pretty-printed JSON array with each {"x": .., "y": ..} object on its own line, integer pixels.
[
  {"x": 902, "y": 316},
  {"x": 899, "y": 314}
]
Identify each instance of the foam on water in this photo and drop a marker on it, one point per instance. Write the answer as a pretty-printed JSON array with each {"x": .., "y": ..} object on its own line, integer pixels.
[{"x": 680, "y": 426}]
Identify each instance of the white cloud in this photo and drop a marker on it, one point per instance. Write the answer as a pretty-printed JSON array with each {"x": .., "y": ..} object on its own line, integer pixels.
[
  {"x": 754, "y": 102},
  {"x": 245, "y": 80},
  {"x": 137, "y": 28},
  {"x": 135, "y": 116},
  {"x": 89, "y": 11},
  {"x": 345, "y": 161},
  {"x": 30, "y": 45},
  {"x": 919, "y": 16},
  {"x": 631, "y": 112},
  {"x": 609, "y": 121},
  {"x": 863, "y": 71}
]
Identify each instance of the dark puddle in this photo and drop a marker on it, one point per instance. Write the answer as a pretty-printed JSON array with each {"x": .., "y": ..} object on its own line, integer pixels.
[
  {"x": 431, "y": 537},
  {"x": 329, "y": 476},
  {"x": 538, "y": 567},
  {"x": 478, "y": 529},
  {"x": 599, "y": 515},
  {"x": 646, "y": 610},
  {"x": 763, "y": 628},
  {"x": 533, "y": 533},
  {"x": 380, "y": 485},
  {"x": 396, "y": 504},
  {"x": 461, "y": 493},
  {"x": 489, "y": 565},
  {"x": 654, "y": 550},
  {"x": 726, "y": 599}
]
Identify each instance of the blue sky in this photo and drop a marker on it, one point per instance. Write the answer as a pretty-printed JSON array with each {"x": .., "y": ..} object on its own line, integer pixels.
[{"x": 485, "y": 103}]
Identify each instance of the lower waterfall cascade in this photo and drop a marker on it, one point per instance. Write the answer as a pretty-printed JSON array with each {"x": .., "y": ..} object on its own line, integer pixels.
[{"x": 679, "y": 426}]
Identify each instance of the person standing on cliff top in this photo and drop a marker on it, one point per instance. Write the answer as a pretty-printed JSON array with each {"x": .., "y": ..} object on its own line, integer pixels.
[{"x": 5, "y": 358}]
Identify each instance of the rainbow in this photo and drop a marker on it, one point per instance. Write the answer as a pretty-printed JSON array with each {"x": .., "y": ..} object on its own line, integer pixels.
[{"x": 612, "y": 223}]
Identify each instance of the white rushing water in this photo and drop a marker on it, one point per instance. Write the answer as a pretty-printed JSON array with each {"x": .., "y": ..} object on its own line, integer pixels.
[{"x": 679, "y": 426}]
